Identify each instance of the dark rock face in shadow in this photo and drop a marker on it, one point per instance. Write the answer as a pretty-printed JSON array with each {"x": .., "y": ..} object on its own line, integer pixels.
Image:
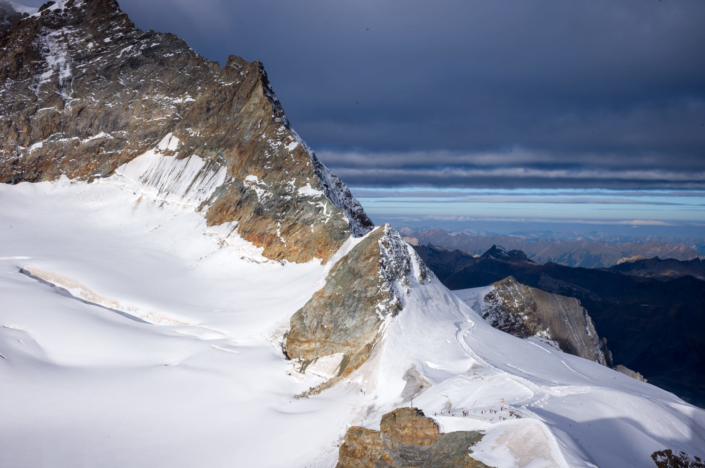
[
  {"x": 668, "y": 459},
  {"x": 666, "y": 269},
  {"x": 524, "y": 311},
  {"x": 575, "y": 253},
  {"x": 407, "y": 439}
]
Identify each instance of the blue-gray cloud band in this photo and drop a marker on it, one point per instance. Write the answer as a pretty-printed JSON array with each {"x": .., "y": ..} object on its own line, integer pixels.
[{"x": 473, "y": 93}]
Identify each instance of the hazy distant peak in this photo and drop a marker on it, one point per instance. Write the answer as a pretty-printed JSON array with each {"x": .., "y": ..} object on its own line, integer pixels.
[{"x": 500, "y": 253}]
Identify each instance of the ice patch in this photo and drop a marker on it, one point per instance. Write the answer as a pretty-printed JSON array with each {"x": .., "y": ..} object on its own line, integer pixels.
[
  {"x": 168, "y": 143},
  {"x": 54, "y": 49},
  {"x": 252, "y": 182},
  {"x": 100, "y": 136},
  {"x": 308, "y": 191}
]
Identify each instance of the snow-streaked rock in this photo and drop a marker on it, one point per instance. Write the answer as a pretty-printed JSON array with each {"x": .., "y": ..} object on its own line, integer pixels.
[{"x": 84, "y": 94}]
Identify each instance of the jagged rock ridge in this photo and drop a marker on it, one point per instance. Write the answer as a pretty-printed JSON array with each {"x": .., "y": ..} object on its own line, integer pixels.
[{"x": 83, "y": 92}]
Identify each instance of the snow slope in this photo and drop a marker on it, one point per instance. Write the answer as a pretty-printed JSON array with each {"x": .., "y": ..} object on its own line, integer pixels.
[
  {"x": 574, "y": 412},
  {"x": 91, "y": 378}
]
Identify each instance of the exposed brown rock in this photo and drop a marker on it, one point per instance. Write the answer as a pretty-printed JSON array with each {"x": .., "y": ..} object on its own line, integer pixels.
[
  {"x": 407, "y": 439},
  {"x": 344, "y": 316},
  {"x": 668, "y": 459},
  {"x": 84, "y": 91},
  {"x": 409, "y": 426},
  {"x": 630, "y": 373},
  {"x": 361, "y": 291}
]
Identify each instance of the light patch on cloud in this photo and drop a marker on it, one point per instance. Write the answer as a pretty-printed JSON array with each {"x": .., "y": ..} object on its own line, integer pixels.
[
  {"x": 470, "y": 219},
  {"x": 517, "y": 199}
]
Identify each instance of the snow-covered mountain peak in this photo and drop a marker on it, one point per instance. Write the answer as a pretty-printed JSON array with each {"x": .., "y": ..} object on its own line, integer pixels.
[
  {"x": 184, "y": 282},
  {"x": 105, "y": 93}
]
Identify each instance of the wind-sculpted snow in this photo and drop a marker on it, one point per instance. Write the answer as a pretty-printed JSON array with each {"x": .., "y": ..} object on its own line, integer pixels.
[
  {"x": 83, "y": 93},
  {"x": 190, "y": 181},
  {"x": 83, "y": 293}
]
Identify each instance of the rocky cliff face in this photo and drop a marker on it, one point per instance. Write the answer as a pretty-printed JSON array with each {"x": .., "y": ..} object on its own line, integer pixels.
[
  {"x": 524, "y": 311},
  {"x": 83, "y": 93},
  {"x": 342, "y": 322},
  {"x": 407, "y": 438}
]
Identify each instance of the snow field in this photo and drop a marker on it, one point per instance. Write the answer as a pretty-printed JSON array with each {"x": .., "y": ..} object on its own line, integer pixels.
[
  {"x": 84, "y": 384},
  {"x": 89, "y": 383}
]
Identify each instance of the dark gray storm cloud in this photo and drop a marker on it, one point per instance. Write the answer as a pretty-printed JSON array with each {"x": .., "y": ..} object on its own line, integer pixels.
[{"x": 585, "y": 93}]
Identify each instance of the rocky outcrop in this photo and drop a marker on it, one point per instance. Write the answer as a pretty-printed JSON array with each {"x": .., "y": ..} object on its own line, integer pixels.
[
  {"x": 668, "y": 459},
  {"x": 630, "y": 373},
  {"x": 363, "y": 290},
  {"x": 407, "y": 439},
  {"x": 83, "y": 92},
  {"x": 524, "y": 311}
]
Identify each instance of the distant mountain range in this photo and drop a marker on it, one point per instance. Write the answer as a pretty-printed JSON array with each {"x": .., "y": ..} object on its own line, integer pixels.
[
  {"x": 661, "y": 269},
  {"x": 696, "y": 243},
  {"x": 575, "y": 253},
  {"x": 653, "y": 326}
]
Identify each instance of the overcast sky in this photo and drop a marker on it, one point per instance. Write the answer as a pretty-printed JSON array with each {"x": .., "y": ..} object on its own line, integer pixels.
[{"x": 559, "y": 94}]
